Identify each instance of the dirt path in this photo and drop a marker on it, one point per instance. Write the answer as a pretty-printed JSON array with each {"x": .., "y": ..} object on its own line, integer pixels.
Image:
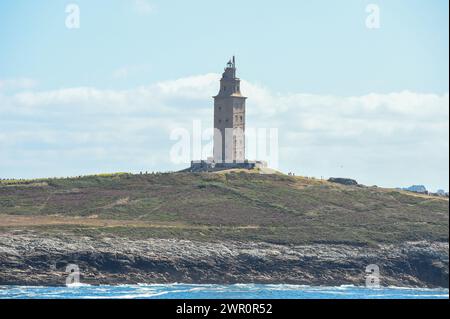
[{"x": 16, "y": 220}]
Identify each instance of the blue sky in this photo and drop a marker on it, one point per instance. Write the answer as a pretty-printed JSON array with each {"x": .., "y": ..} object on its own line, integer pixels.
[
  {"x": 290, "y": 46},
  {"x": 284, "y": 48}
]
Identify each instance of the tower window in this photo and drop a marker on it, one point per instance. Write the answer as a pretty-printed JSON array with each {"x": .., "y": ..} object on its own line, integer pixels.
[{"x": 241, "y": 117}]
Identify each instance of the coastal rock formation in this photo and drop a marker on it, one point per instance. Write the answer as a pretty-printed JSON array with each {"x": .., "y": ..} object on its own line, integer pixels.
[
  {"x": 28, "y": 258},
  {"x": 416, "y": 189},
  {"x": 343, "y": 181}
]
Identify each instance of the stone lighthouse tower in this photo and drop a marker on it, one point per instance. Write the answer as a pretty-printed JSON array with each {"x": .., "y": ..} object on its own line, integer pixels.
[
  {"x": 229, "y": 128},
  {"x": 229, "y": 118}
]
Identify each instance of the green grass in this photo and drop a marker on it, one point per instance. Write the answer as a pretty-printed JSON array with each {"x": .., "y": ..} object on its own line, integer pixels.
[{"x": 285, "y": 209}]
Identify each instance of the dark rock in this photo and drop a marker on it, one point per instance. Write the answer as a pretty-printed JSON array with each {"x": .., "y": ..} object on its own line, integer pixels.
[
  {"x": 343, "y": 181},
  {"x": 416, "y": 189},
  {"x": 31, "y": 259}
]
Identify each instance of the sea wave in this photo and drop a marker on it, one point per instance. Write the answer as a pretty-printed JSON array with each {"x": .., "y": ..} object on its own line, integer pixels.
[{"x": 235, "y": 291}]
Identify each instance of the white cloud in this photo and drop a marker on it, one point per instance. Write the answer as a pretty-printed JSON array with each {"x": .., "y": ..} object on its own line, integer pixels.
[
  {"x": 387, "y": 139},
  {"x": 143, "y": 6}
]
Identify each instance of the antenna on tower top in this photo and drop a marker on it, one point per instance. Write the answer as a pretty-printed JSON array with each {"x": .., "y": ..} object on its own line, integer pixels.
[{"x": 234, "y": 61}]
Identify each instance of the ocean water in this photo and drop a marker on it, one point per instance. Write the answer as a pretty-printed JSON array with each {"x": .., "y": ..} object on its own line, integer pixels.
[{"x": 239, "y": 291}]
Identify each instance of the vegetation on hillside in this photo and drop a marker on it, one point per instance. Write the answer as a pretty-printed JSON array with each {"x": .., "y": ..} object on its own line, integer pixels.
[{"x": 217, "y": 206}]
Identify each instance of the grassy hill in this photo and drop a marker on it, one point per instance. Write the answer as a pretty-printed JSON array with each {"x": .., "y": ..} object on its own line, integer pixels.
[{"x": 216, "y": 206}]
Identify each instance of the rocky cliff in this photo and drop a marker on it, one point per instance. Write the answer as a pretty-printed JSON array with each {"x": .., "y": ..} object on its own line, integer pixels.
[{"x": 30, "y": 259}]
